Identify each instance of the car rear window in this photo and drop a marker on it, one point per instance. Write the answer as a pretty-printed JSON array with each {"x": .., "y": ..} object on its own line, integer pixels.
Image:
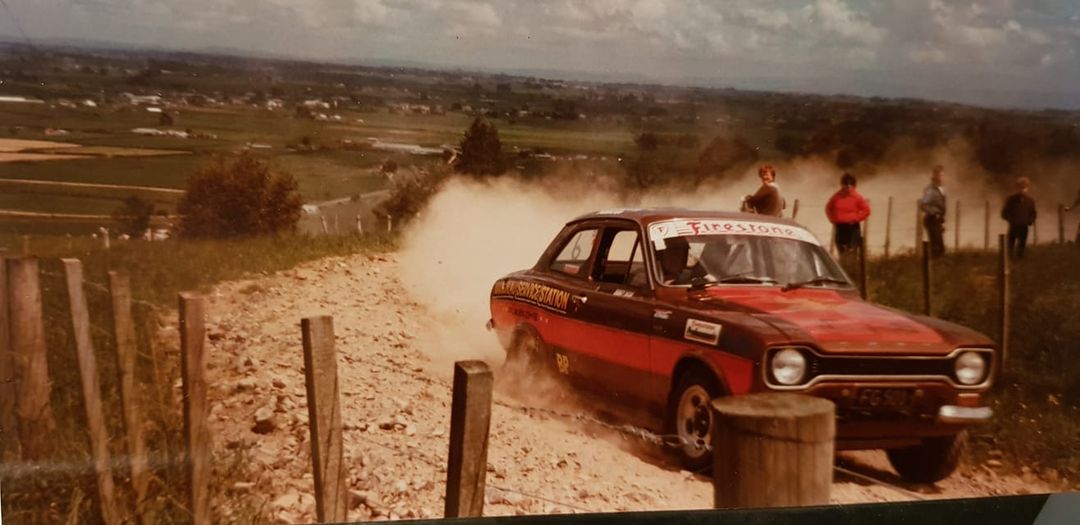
[{"x": 575, "y": 254}]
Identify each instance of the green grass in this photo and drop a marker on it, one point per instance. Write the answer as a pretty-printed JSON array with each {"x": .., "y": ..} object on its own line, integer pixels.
[
  {"x": 158, "y": 271},
  {"x": 1037, "y": 401}
]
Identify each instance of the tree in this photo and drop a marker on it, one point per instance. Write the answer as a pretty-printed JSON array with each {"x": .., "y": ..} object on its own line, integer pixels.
[
  {"x": 133, "y": 215},
  {"x": 239, "y": 197},
  {"x": 481, "y": 150}
]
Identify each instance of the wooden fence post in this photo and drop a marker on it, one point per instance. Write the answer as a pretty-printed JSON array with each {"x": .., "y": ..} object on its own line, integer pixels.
[
  {"x": 926, "y": 276},
  {"x": 956, "y": 232},
  {"x": 337, "y": 230},
  {"x": 888, "y": 227},
  {"x": 26, "y": 245},
  {"x": 470, "y": 419},
  {"x": 91, "y": 389},
  {"x": 918, "y": 227},
  {"x": 27, "y": 336},
  {"x": 126, "y": 351},
  {"x": 325, "y": 230},
  {"x": 359, "y": 225},
  {"x": 795, "y": 210},
  {"x": 862, "y": 270},
  {"x": 1061, "y": 223},
  {"x": 324, "y": 415},
  {"x": 986, "y": 228},
  {"x": 389, "y": 223},
  {"x": 9, "y": 440},
  {"x": 772, "y": 450},
  {"x": 1003, "y": 284},
  {"x": 196, "y": 436}
]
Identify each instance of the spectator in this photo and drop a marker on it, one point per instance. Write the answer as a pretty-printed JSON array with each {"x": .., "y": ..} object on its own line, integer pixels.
[
  {"x": 767, "y": 200},
  {"x": 1019, "y": 212},
  {"x": 1076, "y": 202},
  {"x": 846, "y": 209},
  {"x": 932, "y": 205}
]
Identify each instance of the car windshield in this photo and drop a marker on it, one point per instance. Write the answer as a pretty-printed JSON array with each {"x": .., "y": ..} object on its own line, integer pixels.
[{"x": 744, "y": 259}]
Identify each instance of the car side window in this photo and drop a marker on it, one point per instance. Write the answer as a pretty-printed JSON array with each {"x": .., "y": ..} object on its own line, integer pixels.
[
  {"x": 574, "y": 256},
  {"x": 624, "y": 262}
]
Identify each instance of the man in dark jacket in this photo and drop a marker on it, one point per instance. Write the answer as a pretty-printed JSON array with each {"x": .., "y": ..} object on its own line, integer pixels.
[
  {"x": 932, "y": 205},
  {"x": 1019, "y": 212},
  {"x": 767, "y": 199}
]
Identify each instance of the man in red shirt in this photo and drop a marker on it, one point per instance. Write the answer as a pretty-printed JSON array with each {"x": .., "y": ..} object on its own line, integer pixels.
[{"x": 846, "y": 209}]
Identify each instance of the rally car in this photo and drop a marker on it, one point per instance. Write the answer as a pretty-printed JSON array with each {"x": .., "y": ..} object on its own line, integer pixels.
[{"x": 662, "y": 310}]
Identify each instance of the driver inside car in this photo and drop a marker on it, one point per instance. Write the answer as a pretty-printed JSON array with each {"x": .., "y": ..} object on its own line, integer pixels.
[{"x": 674, "y": 261}]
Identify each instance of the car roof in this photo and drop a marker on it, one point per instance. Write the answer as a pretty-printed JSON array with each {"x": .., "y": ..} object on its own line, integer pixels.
[{"x": 649, "y": 215}]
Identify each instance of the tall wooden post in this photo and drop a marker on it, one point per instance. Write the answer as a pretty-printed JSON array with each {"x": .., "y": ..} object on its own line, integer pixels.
[
  {"x": 91, "y": 389},
  {"x": 126, "y": 351},
  {"x": 470, "y": 419},
  {"x": 795, "y": 210},
  {"x": 888, "y": 227},
  {"x": 918, "y": 227},
  {"x": 9, "y": 439},
  {"x": 1061, "y": 223},
  {"x": 324, "y": 413},
  {"x": 1035, "y": 232},
  {"x": 986, "y": 228},
  {"x": 389, "y": 223},
  {"x": 1003, "y": 286},
  {"x": 772, "y": 450},
  {"x": 956, "y": 230},
  {"x": 359, "y": 225},
  {"x": 862, "y": 269},
  {"x": 926, "y": 277},
  {"x": 196, "y": 436},
  {"x": 27, "y": 336}
]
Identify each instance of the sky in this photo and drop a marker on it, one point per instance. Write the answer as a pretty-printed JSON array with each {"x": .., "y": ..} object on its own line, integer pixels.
[{"x": 1009, "y": 53}]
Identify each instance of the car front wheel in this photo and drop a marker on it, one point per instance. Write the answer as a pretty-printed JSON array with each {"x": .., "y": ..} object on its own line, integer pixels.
[
  {"x": 690, "y": 418},
  {"x": 932, "y": 460}
]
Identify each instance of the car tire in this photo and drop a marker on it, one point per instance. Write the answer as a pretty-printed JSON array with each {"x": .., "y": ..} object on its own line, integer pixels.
[
  {"x": 689, "y": 416},
  {"x": 932, "y": 460},
  {"x": 528, "y": 355}
]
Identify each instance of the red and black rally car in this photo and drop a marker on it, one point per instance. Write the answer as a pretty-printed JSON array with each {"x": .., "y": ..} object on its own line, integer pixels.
[{"x": 664, "y": 309}]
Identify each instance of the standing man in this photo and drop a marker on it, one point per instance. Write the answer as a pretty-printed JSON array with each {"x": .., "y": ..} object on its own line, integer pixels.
[
  {"x": 1076, "y": 202},
  {"x": 847, "y": 209},
  {"x": 767, "y": 200},
  {"x": 1019, "y": 211},
  {"x": 932, "y": 205}
]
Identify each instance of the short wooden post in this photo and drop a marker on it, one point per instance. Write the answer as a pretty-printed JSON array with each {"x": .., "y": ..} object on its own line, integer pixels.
[
  {"x": 324, "y": 414},
  {"x": 389, "y": 223},
  {"x": 337, "y": 230},
  {"x": 862, "y": 269},
  {"x": 795, "y": 210},
  {"x": 772, "y": 450},
  {"x": 27, "y": 336},
  {"x": 1003, "y": 286},
  {"x": 470, "y": 419},
  {"x": 126, "y": 351},
  {"x": 926, "y": 276},
  {"x": 325, "y": 230},
  {"x": 918, "y": 227},
  {"x": 359, "y": 226},
  {"x": 9, "y": 440},
  {"x": 956, "y": 230},
  {"x": 105, "y": 235},
  {"x": 986, "y": 228},
  {"x": 91, "y": 389},
  {"x": 196, "y": 436},
  {"x": 1061, "y": 223},
  {"x": 888, "y": 227}
]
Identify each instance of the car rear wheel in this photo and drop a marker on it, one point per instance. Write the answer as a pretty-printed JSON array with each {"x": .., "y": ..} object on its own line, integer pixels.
[
  {"x": 932, "y": 460},
  {"x": 528, "y": 355},
  {"x": 690, "y": 418}
]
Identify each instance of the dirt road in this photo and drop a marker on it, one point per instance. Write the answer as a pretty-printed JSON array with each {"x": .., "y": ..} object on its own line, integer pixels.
[{"x": 395, "y": 403}]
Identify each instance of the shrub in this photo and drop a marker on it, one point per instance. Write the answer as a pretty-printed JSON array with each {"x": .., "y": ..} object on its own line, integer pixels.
[
  {"x": 239, "y": 197},
  {"x": 410, "y": 192},
  {"x": 133, "y": 215}
]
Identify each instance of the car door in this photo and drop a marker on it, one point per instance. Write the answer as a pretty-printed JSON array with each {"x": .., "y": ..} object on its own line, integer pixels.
[{"x": 617, "y": 311}]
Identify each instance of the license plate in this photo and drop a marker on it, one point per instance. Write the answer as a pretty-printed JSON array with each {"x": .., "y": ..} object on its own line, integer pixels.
[{"x": 883, "y": 398}]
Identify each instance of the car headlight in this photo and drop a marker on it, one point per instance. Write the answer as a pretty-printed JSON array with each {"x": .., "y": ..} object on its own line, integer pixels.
[
  {"x": 970, "y": 368},
  {"x": 788, "y": 366}
]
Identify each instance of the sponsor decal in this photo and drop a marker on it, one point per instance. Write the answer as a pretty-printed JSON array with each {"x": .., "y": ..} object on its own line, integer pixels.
[
  {"x": 702, "y": 331},
  {"x": 661, "y": 314},
  {"x": 533, "y": 293},
  {"x": 659, "y": 231},
  {"x": 619, "y": 292}
]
